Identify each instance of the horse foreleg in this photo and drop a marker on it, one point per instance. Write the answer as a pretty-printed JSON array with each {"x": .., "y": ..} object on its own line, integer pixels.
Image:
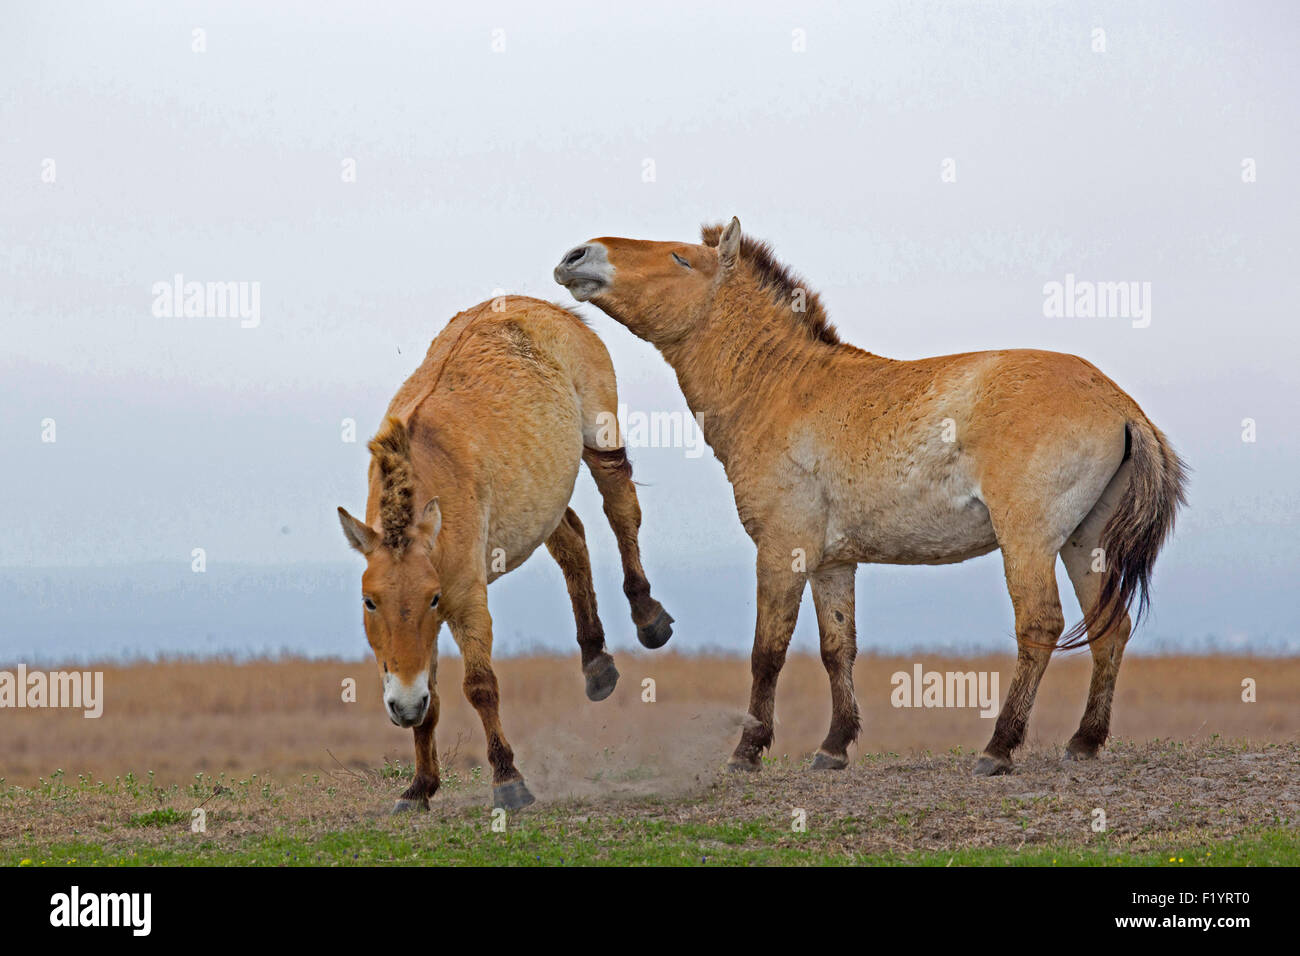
[
  {"x": 473, "y": 634},
  {"x": 779, "y": 591},
  {"x": 427, "y": 777},
  {"x": 833, "y": 597}
]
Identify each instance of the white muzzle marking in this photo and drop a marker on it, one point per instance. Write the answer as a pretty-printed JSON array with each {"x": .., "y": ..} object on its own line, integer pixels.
[{"x": 406, "y": 702}]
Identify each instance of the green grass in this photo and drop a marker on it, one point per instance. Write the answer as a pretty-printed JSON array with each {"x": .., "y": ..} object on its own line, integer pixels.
[
  {"x": 336, "y": 819},
  {"x": 538, "y": 840},
  {"x": 164, "y": 817}
]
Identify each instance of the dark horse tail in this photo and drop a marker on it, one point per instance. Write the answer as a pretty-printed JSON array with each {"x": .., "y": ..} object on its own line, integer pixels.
[{"x": 1135, "y": 533}]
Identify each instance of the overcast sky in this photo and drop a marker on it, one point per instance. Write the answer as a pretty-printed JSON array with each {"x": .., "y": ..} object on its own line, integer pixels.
[{"x": 488, "y": 138}]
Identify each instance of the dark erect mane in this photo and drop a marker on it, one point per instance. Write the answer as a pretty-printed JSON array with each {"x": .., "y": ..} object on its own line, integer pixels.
[
  {"x": 391, "y": 451},
  {"x": 783, "y": 285}
]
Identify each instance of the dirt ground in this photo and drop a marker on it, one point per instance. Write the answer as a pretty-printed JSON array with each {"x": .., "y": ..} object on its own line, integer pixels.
[
  {"x": 278, "y": 750},
  {"x": 1158, "y": 797},
  {"x": 289, "y": 717}
]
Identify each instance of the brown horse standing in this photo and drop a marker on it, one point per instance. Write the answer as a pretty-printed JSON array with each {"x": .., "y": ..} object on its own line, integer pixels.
[
  {"x": 837, "y": 456},
  {"x": 485, "y": 440}
]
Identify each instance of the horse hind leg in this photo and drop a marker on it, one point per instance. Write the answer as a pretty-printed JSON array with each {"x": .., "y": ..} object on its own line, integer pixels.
[
  {"x": 1085, "y": 563},
  {"x": 613, "y": 475},
  {"x": 568, "y": 546},
  {"x": 1031, "y": 582}
]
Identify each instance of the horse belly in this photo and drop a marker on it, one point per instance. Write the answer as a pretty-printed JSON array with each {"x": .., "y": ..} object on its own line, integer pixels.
[
  {"x": 916, "y": 525},
  {"x": 530, "y": 498},
  {"x": 512, "y": 542}
]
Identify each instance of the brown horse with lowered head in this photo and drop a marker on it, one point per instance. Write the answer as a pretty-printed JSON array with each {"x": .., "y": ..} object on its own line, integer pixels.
[
  {"x": 471, "y": 471},
  {"x": 838, "y": 456}
]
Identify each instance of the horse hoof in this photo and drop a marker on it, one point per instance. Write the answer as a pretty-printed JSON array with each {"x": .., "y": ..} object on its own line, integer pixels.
[
  {"x": 988, "y": 766},
  {"x": 825, "y": 761},
  {"x": 602, "y": 676},
  {"x": 656, "y": 634},
  {"x": 511, "y": 796},
  {"x": 741, "y": 765},
  {"x": 1080, "y": 750},
  {"x": 403, "y": 805}
]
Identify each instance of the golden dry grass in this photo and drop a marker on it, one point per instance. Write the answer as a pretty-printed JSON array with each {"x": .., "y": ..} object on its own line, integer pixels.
[{"x": 288, "y": 717}]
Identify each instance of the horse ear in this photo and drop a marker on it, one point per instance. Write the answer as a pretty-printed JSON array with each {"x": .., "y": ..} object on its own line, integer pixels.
[
  {"x": 361, "y": 536},
  {"x": 431, "y": 520},
  {"x": 729, "y": 244}
]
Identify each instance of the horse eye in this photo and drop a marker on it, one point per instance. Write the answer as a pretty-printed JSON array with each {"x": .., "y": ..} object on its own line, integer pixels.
[
  {"x": 681, "y": 261},
  {"x": 436, "y": 598},
  {"x": 370, "y": 605}
]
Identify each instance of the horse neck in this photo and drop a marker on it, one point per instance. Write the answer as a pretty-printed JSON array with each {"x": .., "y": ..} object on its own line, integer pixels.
[{"x": 747, "y": 352}]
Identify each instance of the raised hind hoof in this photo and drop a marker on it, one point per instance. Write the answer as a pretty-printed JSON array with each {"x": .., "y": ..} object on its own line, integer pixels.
[
  {"x": 1081, "y": 750},
  {"x": 988, "y": 766},
  {"x": 825, "y": 761},
  {"x": 655, "y": 634},
  {"x": 512, "y": 795},
  {"x": 404, "y": 805},
  {"x": 741, "y": 765},
  {"x": 602, "y": 676}
]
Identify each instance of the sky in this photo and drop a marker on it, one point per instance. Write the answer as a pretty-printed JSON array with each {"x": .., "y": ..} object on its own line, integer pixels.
[{"x": 929, "y": 168}]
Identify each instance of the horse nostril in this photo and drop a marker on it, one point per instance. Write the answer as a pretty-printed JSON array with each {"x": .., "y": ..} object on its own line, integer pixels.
[
  {"x": 576, "y": 256},
  {"x": 424, "y": 701}
]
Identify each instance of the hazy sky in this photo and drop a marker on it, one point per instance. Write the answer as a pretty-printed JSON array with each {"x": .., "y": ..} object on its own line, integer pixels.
[{"x": 489, "y": 138}]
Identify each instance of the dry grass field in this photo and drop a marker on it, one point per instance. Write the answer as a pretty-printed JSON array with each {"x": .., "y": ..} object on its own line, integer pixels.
[
  {"x": 286, "y": 717},
  {"x": 274, "y": 753}
]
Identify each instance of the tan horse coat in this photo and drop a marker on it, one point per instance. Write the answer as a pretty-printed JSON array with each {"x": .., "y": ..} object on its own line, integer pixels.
[
  {"x": 837, "y": 456},
  {"x": 485, "y": 440}
]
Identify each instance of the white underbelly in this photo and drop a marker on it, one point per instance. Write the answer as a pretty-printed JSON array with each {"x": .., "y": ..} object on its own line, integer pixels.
[{"x": 913, "y": 526}]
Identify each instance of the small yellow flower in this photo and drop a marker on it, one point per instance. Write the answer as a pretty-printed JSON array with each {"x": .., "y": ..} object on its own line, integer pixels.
[{"x": 24, "y": 862}]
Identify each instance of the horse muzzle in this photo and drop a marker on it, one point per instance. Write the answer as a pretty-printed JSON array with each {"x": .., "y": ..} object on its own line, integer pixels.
[
  {"x": 407, "y": 703},
  {"x": 585, "y": 271}
]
